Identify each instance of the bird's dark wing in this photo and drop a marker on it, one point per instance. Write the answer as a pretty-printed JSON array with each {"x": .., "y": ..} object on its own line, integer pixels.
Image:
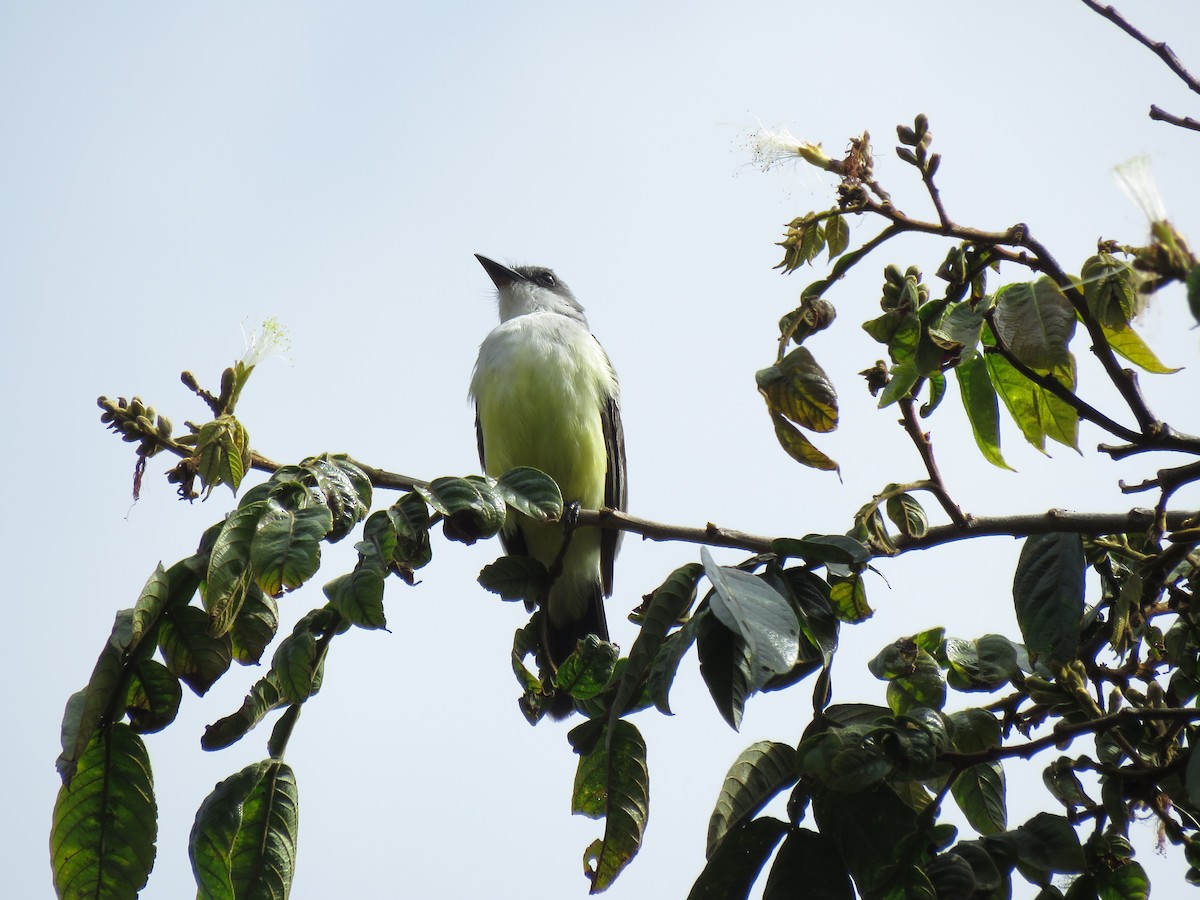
[
  {"x": 616, "y": 491},
  {"x": 512, "y": 541}
]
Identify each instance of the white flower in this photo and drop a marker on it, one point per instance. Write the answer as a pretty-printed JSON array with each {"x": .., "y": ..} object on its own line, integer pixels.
[
  {"x": 1135, "y": 180},
  {"x": 768, "y": 147},
  {"x": 270, "y": 340}
]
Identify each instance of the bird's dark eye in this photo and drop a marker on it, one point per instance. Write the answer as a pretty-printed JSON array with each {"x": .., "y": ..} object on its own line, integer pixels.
[{"x": 545, "y": 279}]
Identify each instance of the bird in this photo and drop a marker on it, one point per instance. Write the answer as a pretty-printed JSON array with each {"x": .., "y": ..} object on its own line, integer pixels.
[{"x": 546, "y": 396}]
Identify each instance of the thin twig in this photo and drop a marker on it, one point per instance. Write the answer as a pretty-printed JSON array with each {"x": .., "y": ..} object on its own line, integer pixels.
[
  {"x": 1159, "y": 48},
  {"x": 925, "y": 447},
  {"x": 1158, "y": 114}
]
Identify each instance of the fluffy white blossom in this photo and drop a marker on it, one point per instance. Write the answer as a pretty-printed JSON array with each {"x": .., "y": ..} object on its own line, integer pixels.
[
  {"x": 270, "y": 340},
  {"x": 771, "y": 146}
]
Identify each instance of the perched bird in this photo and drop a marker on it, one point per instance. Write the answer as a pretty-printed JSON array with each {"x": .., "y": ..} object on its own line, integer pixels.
[{"x": 546, "y": 396}]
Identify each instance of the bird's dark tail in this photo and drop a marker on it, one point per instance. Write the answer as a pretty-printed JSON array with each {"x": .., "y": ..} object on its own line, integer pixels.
[{"x": 560, "y": 640}]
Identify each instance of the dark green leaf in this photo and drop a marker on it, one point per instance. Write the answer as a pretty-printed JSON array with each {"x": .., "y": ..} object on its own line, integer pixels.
[
  {"x": 105, "y": 822},
  {"x": 810, "y": 861},
  {"x": 358, "y": 595},
  {"x": 515, "y": 578},
  {"x": 586, "y": 672},
  {"x": 153, "y": 698},
  {"x": 1110, "y": 289},
  {"x": 798, "y": 387},
  {"x": 980, "y": 793},
  {"x": 229, "y": 573},
  {"x": 1036, "y": 322},
  {"x": 255, "y": 626},
  {"x": 1048, "y": 595},
  {"x": 765, "y": 620},
  {"x": 191, "y": 654},
  {"x": 88, "y": 707},
  {"x": 222, "y": 452},
  {"x": 295, "y": 667},
  {"x": 344, "y": 488},
  {"x": 473, "y": 509},
  {"x": 822, "y": 548},
  {"x": 613, "y": 783},
  {"x": 286, "y": 549},
  {"x": 1125, "y": 880},
  {"x": 668, "y": 605},
  {"x": 759, "y": 773},
  {"x": 868, "y": 828},
  {"x": 243, "y": 843},
  {"x": 532, "y": 492},
  {"x": 907, "y": 515},
  {"x": 727, "y": 668},
  {"x": 732, "y": 870},
  {"x": 937, "y": 390},
  {"x": 666, "y": 661},
  {"x": 264, "y": 697}
]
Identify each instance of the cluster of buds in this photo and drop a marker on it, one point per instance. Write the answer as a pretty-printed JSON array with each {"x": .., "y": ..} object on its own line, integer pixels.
[{"x": 135, "y": 421}]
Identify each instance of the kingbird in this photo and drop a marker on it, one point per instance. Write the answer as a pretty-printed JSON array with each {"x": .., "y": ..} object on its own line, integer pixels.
[{"x": 546, "y": 396}]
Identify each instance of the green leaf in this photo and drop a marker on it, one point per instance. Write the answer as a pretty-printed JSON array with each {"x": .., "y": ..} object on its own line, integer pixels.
[
  {"x": 410, "y": 517},
  {"x": 532, "y": 492},
  {"x": 473, "y": 509},
  {"x": 937, "y": 390},
  {"x": 765, "y": 620},
  {"x": 959, "y": 326},
  {"x": 1125, "y": 880},
  {"x": 587, "y": 670},
  {"x": 759, "y": 773},
  {"x": 732, "y": 870},
  {"x": 515, "y": 578},
  {"x": 295, "y": 665},
  {"x": 822, "y": 548},
  {"x": 727, "y": 667},
  {"x": 798, "y": 388},
  {"x": 1037, "y": 412},
  {"x": 1110, "y": 289},
  {"x": 1045, "y": 844},
  {"x": 1048, "y": 593},
  {"x": 811, "y": 860},
  {"x": 980, "y": 793},
  {"x": 798, "y": 447},
  {"x": 666, "y": 661},
  {"x": 1036, "y": 322},
  {"x": 105, "y": 822},
  {"x": 358, "y": 595},
  {"x": 263, "y": 698},
  {"x": 868, "y": 828},
  {"x": 222, "y": 452},
  {"x": 151, "y": 605},
  {"x": 901, "y": 379},
  {"x": 344, "y": 488},
  {"x": 229, "y": 573},
  {"x": 921, "y": 685},
  {"x": 243, "y": 843},
  {"x": 1128, "y": 343},
  {"x": 286, "y": 549},
  {"x": 254, "y": 627},
  {"x": 191, "y": 654},
  {"x": 613, "y": 783},
  {"x": 87, "y": 708},
  {"x": 979, "y": 401},
  {"x": 849, "y": 598},
  {"x": 668, "y": 605},
  {"x": 153, "y": 697},
  {"x": 837, "y": 235},
  {"x": 908, "y": 515},
  {"x": 982, "y": 665}
]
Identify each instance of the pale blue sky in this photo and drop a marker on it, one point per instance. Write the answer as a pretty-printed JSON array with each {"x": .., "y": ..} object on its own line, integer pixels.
[{"x": 172, "y": 173}]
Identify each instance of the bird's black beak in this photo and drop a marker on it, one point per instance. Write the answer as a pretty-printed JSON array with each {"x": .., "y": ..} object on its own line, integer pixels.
[{"x": 501, "y": 275}]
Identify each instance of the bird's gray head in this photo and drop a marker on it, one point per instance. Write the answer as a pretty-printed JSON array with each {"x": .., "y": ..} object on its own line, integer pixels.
[{"x": 527, "y": 289}]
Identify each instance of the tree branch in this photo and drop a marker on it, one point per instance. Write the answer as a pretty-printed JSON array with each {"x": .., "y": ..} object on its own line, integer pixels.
[{"x": 1159, "y": 48}]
